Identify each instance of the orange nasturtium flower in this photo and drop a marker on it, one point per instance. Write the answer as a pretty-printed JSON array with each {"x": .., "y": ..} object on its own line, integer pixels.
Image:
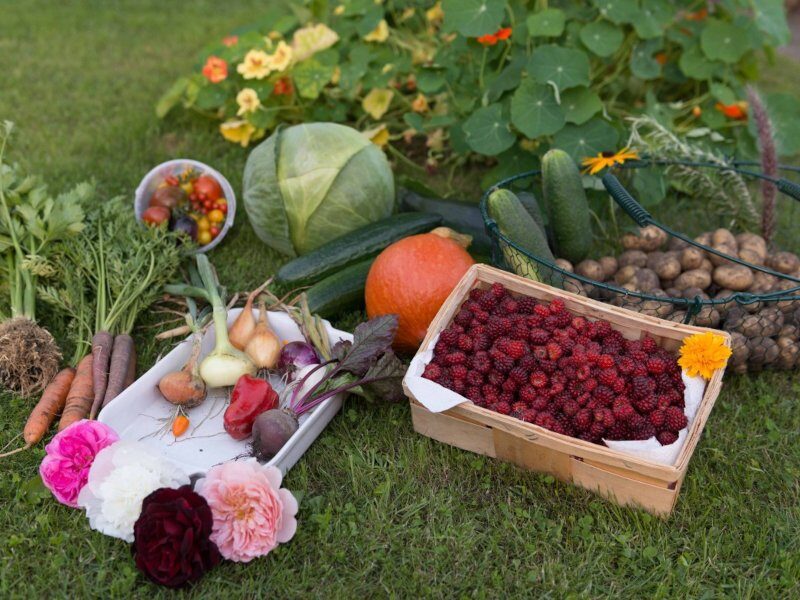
[
  {"x": 230, "y": 40},
  {"x": 490, "y": 39},
  {"x": 736, "y": 111},
  {"x": 699, "y": 15},
  {"x": 503, "y": 33},
  {"x": 661, "y": 58},
  {"x": 703, "y": 353},
  {"x": 595, "y": 164},
  {"x": 215, "y": 69},
  {"x": 283, "y": 87}
]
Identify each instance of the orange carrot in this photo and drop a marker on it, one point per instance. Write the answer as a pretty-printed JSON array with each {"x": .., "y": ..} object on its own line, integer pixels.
[
  {"x": 50, "y": 404},
  {"x": 81, "y": 395},
  {"x": 180, "y": 425}
]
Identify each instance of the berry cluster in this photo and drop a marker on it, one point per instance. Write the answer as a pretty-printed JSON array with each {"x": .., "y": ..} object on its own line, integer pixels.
[{"x": 543, "y": 365}]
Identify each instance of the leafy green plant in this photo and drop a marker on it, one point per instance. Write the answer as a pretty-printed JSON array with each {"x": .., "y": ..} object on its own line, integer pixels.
[{"x": 490, "y": 77}]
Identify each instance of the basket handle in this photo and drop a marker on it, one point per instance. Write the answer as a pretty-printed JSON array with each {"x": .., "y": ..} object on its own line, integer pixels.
[
  {"x": 790, "y": 188},
  {"x": 626, "y": 201}
]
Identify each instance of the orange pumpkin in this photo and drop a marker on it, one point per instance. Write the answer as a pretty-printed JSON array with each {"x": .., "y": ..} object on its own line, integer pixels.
[{"x": 412, "y": 278}]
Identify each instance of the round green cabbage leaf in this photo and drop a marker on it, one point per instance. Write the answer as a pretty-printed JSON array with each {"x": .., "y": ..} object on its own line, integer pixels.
[{"x": 308, "y": 184}]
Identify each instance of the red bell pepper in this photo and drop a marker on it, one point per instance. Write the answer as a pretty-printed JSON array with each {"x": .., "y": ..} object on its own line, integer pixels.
[{"x": 251, "y": 396}]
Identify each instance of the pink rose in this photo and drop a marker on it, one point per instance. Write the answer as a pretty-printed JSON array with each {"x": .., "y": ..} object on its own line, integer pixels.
[
  {"x": 252, "y": 515},
  {"x": 70, "y": 454}
]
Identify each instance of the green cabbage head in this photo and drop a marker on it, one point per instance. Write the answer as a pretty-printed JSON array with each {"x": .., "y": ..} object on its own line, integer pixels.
[{"x": 308, "y": 184}]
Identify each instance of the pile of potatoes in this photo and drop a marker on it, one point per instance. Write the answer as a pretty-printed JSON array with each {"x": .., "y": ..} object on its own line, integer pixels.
[{"x": 764, "y": 334}]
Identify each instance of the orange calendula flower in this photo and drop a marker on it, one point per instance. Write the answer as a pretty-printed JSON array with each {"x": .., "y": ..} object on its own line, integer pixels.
[
  {"x": 230, "y": 40},
  {"x": 703, "y": 353},
  {"x": 595, "y": 164},
  {"x": 736, "y": 111},
  {"x": 215, "y": 69}
]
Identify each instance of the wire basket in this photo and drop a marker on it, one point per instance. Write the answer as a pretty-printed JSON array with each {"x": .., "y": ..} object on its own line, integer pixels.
[{"x": 764, "y": 321}]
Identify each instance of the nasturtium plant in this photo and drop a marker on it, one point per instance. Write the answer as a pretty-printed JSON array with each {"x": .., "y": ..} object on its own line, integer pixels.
[{"x": 500, "y": 78}]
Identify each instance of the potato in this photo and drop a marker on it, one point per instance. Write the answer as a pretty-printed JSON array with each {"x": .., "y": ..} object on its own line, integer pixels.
[
  {"x": 783, "y": 262},
  {"x": 789, "y": 351},
  {"x": 763, "y": 352},
  {"x": 706, "y": 265},
  {"x": 632, "y": 257},
  {"x": 664, "y": 266},
  {"x": 734, "y": 319},
  {"x": 677, "y": 316},
  {"x": 693, "y": 292},
  {"x": 646, "y": 280},
  {"x": 751, "y": 240},
  {"x": 762, "y": 282},
  {"x": 733, "y": 277},
  {"x": 631, "y": 286},
  {"x": 740, "y": 353},
  {"x": 564, "y": 264},
  {"x": 790, "y": 330},
  {"x": 707, "y": 317},
  {"x": 691, "y": 258},
  {"x": 677, "y": 244},
  {"x": 631, "y": 241},
  {"x": 610, "y": 266},
  {"x": 591, "y": 269},
  {"x": 723, "y": 237},
  {"x": 704, "y": 238},
  {"x": 672, "y": 292},
  {"x": 673, "y": 254},
  {"x": 648, "y": 238},
  {"x": 625, "y": 274},
  {"x": 765, "y": 323},
  {"x": 697, "y": 278}
]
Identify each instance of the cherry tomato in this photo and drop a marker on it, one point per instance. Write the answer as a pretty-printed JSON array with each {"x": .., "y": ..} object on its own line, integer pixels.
[
  {"x": 204, "y": 237},
  {"x": 203, "y": 224},
  {"x": 187, "y": 187},
  {"x": 193, "y": 197},
  {"x": 207, "y": 204},
  {"x": 171, "y": 180},
  {"x": 156, "y": 215},
  {"x": 205, "y": 184},
  {"x": 214, "y": 230},
  {"x": 216, "y": 216},
  {"x": 224, "y": 208}
]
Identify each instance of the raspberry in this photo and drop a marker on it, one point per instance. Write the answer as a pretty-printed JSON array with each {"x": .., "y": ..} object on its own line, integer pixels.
[
  {"x": 554, "y": 351},
  {"x": 475, "y": 294},
  {"x": 539, "y": 337},
  {"x": 607, "y": 377},
  {"x": 528, "y": 394},
  {"x": 626, "y": 365},
  {"x": 465, "y": 342},
  {"x": 529, "y": 415},
  {"x": 501, "y": 407},
  {"x": 545, "y": 419},
  {"x": 645, "y": 405},
  {"x": 622, "y": 409},
  {"x": 474, "y": 378},
  {"x": 487, "y": 301},
  {"x": 541, "y": 310},
  {"x": 463, "y": 317},
  {"x": 657, "y": 418},
  {"x": 526, "y": 305},
  {"x": 583, "y": 372},
  {"x": 638, "y": 357},
  {"x": 459, "y": 371},
  {"x": 604, "y": 416},
  {"x": 618, "y": 431},
  {"x": 509, "y": 385},
  {"x": 459, "y": 386},
  {"x": 480, "y": 362},
  {"x": 571, "y": 408},
  {"x": 596, "y": 430},
  {"x": 618, "y": 385},
  {"x": 519, "y": 407},
  {"x": 481, "y": 341},
  {"x": 656, "y": 366},
  {"x": 601, "y": 329},
  {"x": 503, "y": 364},
  {"x": 497, "y": 326},
  {"x": 675, "y": 419},
  {"x": 649, "y": 345},
  {"x": 579, "y": 323},
  {"x": 665, "y": 438},
  {"x": 506, "y": 397},
  {"x": 663, "y": 401},
  {"x": 455, "y": 358},
  {"x": 541, "y": 403},
  {"x": 551, "y": 323},
  {"x": 603, "y": 393},
  {"x": 642, "y": 387},
  {"x": 538, "y": 379},
  {"x": 517, "y": 349},
  {"x": 490, "y": 393},
  {"x": 590, "y": 384},
  {"x": 479, "y": 315},
  {"x": 563, "y": 319},
  {"x": 498, "y": 290},
  {"x": 528, "y": 362},
  {"x": 556, "y": 306},
  {"x": 474, "y": 393},
  {"x": 449, "y": 337},
  {"x": 509, "y": 306},
  {"x": 605, "y": 361},
  {"x": 494, "y": 378},
  {"x": 583, "y": 419},
  {"x": 641, "y": 429},
  {"x": 432, "y": 372},
  {"x": 663, "y": 382},
  {"x": 519, "y": 374},
  {"x": 548, "y": 366},
  {"x": 445, "y": 381}
]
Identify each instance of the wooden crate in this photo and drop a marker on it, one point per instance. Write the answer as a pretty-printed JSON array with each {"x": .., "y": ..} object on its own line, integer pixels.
[{"x": 626, "y": 479}]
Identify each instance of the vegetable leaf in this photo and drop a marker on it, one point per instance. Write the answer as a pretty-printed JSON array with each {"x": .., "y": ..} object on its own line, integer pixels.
[
  {"x": 311, "y": 76},
  {"x": 546, "y": 23},
  {"x": 565, "y": 67},
  {"x": 643, "y": 65},
  {"x": 473, "y": 18},
  {"x": 618, "y": 11},
  {"x": 382, "y": 382},
  {"x": 582, "y": 141},
  {"x": 723, "y": 41},
  {"x": 370, "y": 340},
  {"x": 601, "y": 37},
  {"x": 771, "y": 19},
  {"x": 534, "y": 110},
  {"x": 653, "y": 18},
  {"x": 487, "y": 130},
  {"x": 580, "y": 104}
]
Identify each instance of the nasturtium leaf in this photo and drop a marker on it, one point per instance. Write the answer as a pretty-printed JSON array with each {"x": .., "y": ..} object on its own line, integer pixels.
[
  {"x": 565, "y": 67},
  {"x": 211, "y": 96},
  {"x": 413, "y": 120},
  {"x": 580, "y": 104},
  {"x": 534, "y": 110},
  {"x": 487, "y": 131},
  {"x": 473, "y": 18},
  {"x": 546, "y": 23},
  {"x": 618, "y": 11},
  {"x": 770, "y": 17},
  {"x": 650, "y": 185},
  {"x": 263, "y": 119},
  {"x": 377, "y": 102},
  {"x": 430, "y": 81},
  {"x": 723, "y": 41},
  {"x": 601, "y": 37},
  {"x": 722, "y": 92},
  {"x": 310, "y": 77},
  {"x": 653, "y": 18},
  {"x": 371, "y": 19},
  {"x": 643, "y": 65},
  {"x": 509, "y": 77},
  {"x": 694, "y": 64},
  {"x": 583, "y": 141},
  {"x": 784, "y": 111}
]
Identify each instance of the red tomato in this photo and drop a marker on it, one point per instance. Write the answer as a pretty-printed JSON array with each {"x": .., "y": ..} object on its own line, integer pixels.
[
  {"x": 207, "y": 186},
  {"x": 171, "y": 180},
  {"x": 224, "y": 208},
  {"x": 214, "y": 230},
  {"x": 156, "y": 215},
  {"x": 207, "y": 204}
]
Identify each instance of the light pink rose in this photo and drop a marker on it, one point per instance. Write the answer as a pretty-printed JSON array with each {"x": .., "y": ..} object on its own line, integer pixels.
[
  {"x": 252, "y": 515},
  {"x": 70, "y": 454}
]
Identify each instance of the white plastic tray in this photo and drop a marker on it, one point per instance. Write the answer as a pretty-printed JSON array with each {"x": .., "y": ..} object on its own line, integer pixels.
[{"x": 140, "y": 411}]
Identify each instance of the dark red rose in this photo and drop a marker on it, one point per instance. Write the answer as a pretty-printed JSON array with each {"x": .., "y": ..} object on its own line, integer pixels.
[{"x": 171, "y": 537}]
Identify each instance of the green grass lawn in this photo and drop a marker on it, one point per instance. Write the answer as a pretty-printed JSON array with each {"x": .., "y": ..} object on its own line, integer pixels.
[{"x": 384, "y": 512}]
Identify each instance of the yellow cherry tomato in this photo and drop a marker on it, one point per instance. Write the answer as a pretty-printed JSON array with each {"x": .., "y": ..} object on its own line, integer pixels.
[
  {"x": 203, "y": 224},
  {"x": 203, "y": 237},
  {"x": 216, "y": 216},
  {"x": 187, "y": 187}
]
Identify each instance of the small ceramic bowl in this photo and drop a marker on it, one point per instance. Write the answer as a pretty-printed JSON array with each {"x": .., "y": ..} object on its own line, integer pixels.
[{"x": 175, "y": 167}]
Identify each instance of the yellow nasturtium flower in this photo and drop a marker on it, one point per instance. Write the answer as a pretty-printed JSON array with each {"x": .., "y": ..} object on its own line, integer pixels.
[
  {"x": 378, "y": 135},
  {"x": 281, "y": 58},
  {"x": 377, "y": 102},
  {"x": 379, "y": 34},
  {"x": 255, "y": 65},
  {"x": 248, "y": 101},
  {"x": 309, "y": 40},
  {"x": 238, "y": 132},
  {"x": 435, "y": 14},
  {"x": 420, "y": 104},
  {"x": 339, "y": 10}
]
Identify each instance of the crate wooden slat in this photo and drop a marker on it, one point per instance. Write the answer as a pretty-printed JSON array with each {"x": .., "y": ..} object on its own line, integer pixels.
[{"x": 628, "y": 480}]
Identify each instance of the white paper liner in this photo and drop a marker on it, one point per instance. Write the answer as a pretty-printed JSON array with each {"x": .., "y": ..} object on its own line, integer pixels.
[{"x": 437, "y": 398}]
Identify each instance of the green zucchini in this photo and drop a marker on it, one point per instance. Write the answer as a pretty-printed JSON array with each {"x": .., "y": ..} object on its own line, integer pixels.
[
  {"x": 341, "y": 291},
  {"x": 515, "y": 223},
  {"x": 353, "y": 247},
  {"x": 567, "y": 207}
]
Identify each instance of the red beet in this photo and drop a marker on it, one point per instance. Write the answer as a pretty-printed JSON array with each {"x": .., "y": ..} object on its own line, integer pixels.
[{"x": 271, "y": 430}]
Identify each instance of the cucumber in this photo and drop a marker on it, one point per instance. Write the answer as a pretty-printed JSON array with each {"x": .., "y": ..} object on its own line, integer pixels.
[
  {"x": 518, "y": 225},
  {"x": 567, "y": 208},
  {"x": 353, "y": 247},
  {"x": 531, "y": 205},
  {"x": 341, "y": 291}
]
